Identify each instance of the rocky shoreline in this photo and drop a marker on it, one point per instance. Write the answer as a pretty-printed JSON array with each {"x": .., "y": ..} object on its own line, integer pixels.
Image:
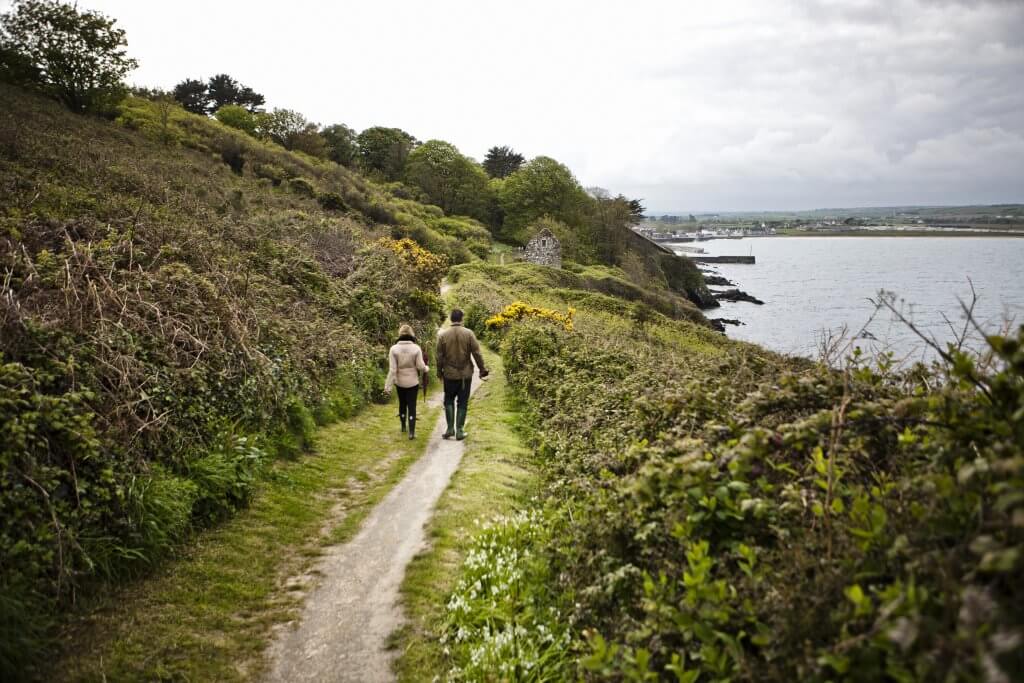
[{"x": 732, "y": 293}]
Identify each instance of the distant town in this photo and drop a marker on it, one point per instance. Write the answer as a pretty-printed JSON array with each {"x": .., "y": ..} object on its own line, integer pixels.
[{"x": 1001, "y": 219}]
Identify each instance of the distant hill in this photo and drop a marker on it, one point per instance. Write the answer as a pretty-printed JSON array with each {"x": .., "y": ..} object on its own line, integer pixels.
[{"x": 978, "y": 212}]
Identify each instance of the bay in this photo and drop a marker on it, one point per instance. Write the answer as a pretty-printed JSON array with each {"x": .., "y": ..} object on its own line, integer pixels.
[{"x": 814, "y": 287}]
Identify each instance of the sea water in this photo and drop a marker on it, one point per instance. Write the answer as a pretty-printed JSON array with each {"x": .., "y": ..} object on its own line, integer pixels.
[{"x": 817, "y": 287}]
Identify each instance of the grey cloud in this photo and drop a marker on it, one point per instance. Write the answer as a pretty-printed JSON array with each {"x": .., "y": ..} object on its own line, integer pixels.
[
  {"x": 875, "y": 90},
  {"x": 734, "y": 104}
]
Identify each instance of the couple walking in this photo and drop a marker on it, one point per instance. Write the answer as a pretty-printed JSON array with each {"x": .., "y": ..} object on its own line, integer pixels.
[{"x": 457, "y": 348}]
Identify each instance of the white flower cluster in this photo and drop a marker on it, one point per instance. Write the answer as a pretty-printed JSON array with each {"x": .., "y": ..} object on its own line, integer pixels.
[{"x": 491, "y": 628}]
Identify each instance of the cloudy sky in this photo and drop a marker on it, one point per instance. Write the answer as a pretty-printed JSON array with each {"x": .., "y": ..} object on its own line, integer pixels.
[{"x": 693, "y": 106}]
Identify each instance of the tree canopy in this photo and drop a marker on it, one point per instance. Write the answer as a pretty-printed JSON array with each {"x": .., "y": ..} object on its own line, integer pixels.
[
  {"x": 208, "y": 97},
  {"x": 222, "y": 90},
  {"x": 501, "y": 162},
  {"x": 384, "y": 150},
  {"x": 543, "y": 187},
  {"x": 341, "y": 144},
  {"x": 78, "y": 57},
  {"x": 609, "y": 221},
  {"x": 453, "y": 181},
  {"x": 191, "y": 94},
  {"x": 293, "y": 131}
]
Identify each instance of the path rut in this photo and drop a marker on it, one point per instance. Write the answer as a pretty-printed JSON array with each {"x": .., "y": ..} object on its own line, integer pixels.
[{"x": 343, "y": 631}]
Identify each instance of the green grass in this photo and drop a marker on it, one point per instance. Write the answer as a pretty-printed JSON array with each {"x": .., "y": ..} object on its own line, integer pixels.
[
  {"x": 502, "y": 254},
  {"x": 494, "y": 478},
  {"x": 209, "y": 615}
]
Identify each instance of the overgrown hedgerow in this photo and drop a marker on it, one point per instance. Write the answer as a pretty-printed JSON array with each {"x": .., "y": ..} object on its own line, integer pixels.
[{"x": 740, "y": 516}]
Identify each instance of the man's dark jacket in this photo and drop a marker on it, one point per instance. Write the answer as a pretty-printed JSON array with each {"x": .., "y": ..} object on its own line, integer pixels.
[{"x": 457, "y": 348}]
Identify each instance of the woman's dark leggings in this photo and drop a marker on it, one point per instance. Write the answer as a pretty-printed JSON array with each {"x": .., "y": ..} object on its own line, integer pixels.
[{"x": 407, "y": 401}]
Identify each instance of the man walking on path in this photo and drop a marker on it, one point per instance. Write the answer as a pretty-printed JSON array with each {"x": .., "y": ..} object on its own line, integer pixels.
[{"x": 457, "y": 348}]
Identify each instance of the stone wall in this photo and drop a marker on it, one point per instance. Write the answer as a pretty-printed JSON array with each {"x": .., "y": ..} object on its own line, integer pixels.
[{"x": 544, "y": 249}]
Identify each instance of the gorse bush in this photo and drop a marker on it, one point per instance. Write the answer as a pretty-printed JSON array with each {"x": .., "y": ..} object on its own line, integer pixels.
[
  {"x": 518, "y": 310},
  {"x": 601, "y": 288},
  {"x": 720, "y": 513}
]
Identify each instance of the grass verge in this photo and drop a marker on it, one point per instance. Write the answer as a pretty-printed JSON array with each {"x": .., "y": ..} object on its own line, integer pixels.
[
  {"x": 209, "y": 615},
  {"x": 494, "y": 478}
]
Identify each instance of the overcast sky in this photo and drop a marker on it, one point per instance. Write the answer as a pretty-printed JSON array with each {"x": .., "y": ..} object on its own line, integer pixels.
[{"x": 693, "y": 106}]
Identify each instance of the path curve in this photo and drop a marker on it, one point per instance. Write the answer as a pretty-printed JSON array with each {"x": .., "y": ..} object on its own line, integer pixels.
[{"x": 344, "y": 627}]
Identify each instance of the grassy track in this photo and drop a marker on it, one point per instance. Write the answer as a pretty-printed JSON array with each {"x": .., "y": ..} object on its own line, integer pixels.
[
  {"x": 494, "y": 478},
  {"x": 209, "y": 615}
]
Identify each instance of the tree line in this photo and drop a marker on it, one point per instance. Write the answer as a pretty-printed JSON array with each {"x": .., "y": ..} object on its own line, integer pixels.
[{"x": 80, "y": 58}]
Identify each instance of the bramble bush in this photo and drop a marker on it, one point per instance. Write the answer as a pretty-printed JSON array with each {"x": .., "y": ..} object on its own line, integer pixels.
[{"x": 741, "y": 516}]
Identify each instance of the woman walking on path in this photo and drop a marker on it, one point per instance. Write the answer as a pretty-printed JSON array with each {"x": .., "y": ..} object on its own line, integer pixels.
[{"x": 405, "y": 363}]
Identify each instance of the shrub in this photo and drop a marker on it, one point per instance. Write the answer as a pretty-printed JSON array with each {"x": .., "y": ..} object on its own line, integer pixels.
[
  {"x": 427, "y": 268},
  {"x": 240, "y": 118},
  {"x": 302, "y": 187},
  {"x": 275, "y": 174},
  {"x": 716, "y": 512},
  {"x": 332, "y": 201},
  {"x": 518, "y": 310},
  {"x": 233, "y": 155}
]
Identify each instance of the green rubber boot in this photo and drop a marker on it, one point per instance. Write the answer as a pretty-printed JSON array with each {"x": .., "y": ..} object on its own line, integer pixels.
[
  {"x": 460, "y": 423},
  {"x": 449, "y": 418}
]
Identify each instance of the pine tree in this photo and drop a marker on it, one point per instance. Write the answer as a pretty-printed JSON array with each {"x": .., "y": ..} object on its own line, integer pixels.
[{"x": 501, "y": 162}]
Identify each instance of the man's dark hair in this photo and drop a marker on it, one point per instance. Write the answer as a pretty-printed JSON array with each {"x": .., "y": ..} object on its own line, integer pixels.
[{"x": 456, "y": 315}]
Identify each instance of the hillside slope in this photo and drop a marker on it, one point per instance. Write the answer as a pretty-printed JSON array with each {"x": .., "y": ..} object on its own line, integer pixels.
[{"x": 178, "y": 304}]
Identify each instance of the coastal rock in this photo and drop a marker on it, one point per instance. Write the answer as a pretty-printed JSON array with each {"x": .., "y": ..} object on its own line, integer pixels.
[
  {"x": 718, "y": 281},
  {"x": 737, "y": 295},
  {"x": 720, "y": 323},
  {"x": 702, "y": 297}
]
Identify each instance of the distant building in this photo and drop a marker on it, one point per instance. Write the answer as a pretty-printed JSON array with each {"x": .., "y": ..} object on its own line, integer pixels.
[{"x": 544, "y": 249}]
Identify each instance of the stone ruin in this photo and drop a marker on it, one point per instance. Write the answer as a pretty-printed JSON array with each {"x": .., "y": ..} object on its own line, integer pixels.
[{"x": 544, "y": 249}]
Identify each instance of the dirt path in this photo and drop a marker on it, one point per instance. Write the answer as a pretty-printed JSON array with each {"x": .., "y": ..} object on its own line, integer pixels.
[{"x": 344, "y": 627}]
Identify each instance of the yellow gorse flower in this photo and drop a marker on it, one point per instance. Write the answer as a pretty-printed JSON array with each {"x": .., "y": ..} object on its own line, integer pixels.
[
  {"x": 428, "y": 266},
  {"x": 519, "y": 310}
]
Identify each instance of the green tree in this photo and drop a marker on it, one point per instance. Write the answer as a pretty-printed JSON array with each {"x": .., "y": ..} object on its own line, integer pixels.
[
  {"x": 222, "y": 90},
  {"x": 453, "y": 181},
  {"x": 383, "y": 151},
  {"x": 310, "y": 141},
  {"x": 341, "y": 144},
  {"x": 191, "y": 94},
  {"x": 608, "y": 224},
  {"x": 293, "y": 131},
  {"x": 543, "y": 187},
  {"x": 238, "y": 117},
  {"x": 78, "y": 57},
  {"x": 17, "y": 69},
  {"x": 501, "y": 162}
]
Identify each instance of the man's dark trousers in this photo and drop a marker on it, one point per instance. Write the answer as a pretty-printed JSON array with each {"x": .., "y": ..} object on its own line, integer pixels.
[{"x": 457, "y": 389}]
